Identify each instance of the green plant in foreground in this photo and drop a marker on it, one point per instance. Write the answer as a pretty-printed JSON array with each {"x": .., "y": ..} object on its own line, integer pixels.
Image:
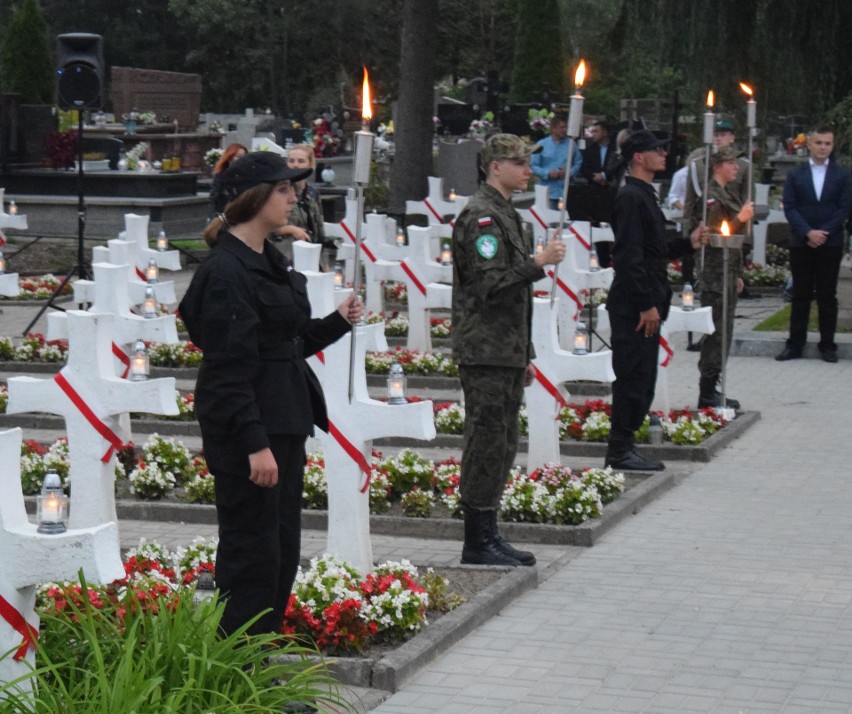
[{"x": 166, "y": 660}]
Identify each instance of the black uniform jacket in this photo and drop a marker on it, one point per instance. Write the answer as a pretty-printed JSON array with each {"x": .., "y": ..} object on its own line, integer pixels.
[
  {"x": 641, "y": 253},
  {"x": 249, "y": 313}
]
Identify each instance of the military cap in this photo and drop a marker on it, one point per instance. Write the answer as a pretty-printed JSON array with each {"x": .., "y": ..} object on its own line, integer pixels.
[
  {"x": 720, "y": 126},
  {"x": 506, "y": 146},
  {"x": 639, "y": 142},
  {"x": 725, "y": 153},
  {"x": 252, "y": 170}
]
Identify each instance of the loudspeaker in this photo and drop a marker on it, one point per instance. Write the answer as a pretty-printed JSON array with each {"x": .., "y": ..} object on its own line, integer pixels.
[{"x": 81, "y": 70}]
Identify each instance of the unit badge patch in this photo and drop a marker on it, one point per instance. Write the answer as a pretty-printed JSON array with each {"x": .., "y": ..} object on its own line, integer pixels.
[{"x": 486, "y": 246}]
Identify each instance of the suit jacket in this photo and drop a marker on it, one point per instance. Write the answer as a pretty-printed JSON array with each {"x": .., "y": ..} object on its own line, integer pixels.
[
  {"x": 592, "y": 163},
  {"x": 804, "y": 212}
]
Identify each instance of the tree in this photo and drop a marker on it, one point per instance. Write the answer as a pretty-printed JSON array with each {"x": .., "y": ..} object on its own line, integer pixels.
[
  {"x": 27, "y": 64},
  {"x": 538, "y": 51},
  {"x": 413, "y": 127}
]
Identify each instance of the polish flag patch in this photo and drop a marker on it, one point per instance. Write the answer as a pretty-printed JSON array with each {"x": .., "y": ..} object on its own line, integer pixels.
[{"x": 484, "y": 221}]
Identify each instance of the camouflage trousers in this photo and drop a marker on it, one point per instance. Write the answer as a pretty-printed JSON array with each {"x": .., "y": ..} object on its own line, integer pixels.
[
  {"x": 492, "y": 400},
  {"x": 713, "y": 355}
]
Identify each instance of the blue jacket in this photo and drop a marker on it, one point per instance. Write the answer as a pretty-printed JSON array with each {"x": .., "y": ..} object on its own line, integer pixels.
[
  {"x": 555, "y": 156},
  {"x": 804, "y": 212}
]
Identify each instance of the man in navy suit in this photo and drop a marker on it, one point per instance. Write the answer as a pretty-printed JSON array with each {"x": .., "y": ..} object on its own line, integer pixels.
[{"x": 816, "y": 203}]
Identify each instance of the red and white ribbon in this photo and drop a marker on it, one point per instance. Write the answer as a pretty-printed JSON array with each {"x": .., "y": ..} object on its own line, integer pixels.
[
  {"x": 123, "y": 358},
  {"x": 353, "y": 452},
  {"x": 18, "y": 623},
  {"x": 667, "y": 348},
  {"x": 580, "y": 238},
  {"x": 568, "y": 291},
  {"x": 437, "y": 215},
  {"x": 411, "y": 274},
  {"x": 538, "y": 217},
  {"x": 549, "y": 387},
  {"x": 141, "y": 275},
  {"x": 99, "y": 426},
  {"x": 351, "y": 235}
]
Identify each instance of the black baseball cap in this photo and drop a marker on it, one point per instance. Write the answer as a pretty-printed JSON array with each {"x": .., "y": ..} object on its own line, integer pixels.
[
  {"x": 640, "y": 141},
  {"x": 251, "y": 170}
]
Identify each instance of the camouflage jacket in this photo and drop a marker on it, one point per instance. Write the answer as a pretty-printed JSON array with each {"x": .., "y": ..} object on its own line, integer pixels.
[
  {"x": 722, "y": 205},
  {"x": 307, "y": 214},
  {"x": 695, "y": 181},
  {"x": 493, "y": 275}
]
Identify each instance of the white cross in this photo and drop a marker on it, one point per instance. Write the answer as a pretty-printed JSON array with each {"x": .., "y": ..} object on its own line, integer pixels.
[
  {"x": 353, "y": 426},
  {"x": 31, "y": 558},
  {"x": 546, "y": 395},
  {"x": 121, "y": 252},
  {"x": 435, "y": 207},
  {"x": 88, "y": 394}
]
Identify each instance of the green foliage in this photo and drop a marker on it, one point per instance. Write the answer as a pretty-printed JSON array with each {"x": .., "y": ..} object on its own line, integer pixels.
[
  {"x": 171, "y": 659},
  {"x": 839, "y": 117},
  {"x": 538, "y": 51},
  {"x": 27, "y": 65}
]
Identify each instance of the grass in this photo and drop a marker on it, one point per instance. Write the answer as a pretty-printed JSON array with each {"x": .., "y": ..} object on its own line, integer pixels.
[
  {"x": 189, "y": 244},
  {"x": 780, "y": 322}
]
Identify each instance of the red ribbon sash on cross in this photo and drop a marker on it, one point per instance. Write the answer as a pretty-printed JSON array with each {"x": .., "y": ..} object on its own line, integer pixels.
[
  {"x": 580, "y": 238},
  {"x": 568, "y": 291},
  {"x": 549, "y": 387},
  {"x": 123, "y": 358},
  {"x": 140, "y": 275},
  {"x": 538, "y": 217},
  {"x": 437, "y": 215},
  {"x": 351, "y": 235},
  {"x": 18, "y": 623},
  {"x": 667, "y": 348},
  {"x": 353, "y": 453},
  {"x": 108, "y": 434},
  {"x": 410, "y": 273}
]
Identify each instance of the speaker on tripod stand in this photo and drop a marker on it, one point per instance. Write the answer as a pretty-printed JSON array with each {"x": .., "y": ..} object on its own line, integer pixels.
[{"x": 79, "y": 86}]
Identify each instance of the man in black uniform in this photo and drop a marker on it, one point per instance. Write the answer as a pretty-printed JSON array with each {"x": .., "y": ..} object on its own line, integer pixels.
[{"x": 639, "y": 298}]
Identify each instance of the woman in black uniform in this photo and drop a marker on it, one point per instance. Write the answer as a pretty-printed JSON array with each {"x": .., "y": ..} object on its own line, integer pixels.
[{"x": 257, "y": 400}]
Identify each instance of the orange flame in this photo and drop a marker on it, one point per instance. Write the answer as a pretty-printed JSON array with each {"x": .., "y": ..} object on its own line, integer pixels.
[
  {"x": 726, "y": 229},
  {"x": 366, "y": 104},
  {"x": 580, "y": 74},
  {"x": 748, "y": 90},
  {"x": 711, "y": 98}
]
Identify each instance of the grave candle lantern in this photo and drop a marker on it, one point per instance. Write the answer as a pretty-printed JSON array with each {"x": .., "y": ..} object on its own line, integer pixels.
[
  {"x": 13, "y": 208},
  {"x": 687, "y": 297},
  {"x": 149, "y": 307},
  {"x": 140, "y": 364},
  {"x": 396, "y": 384},
  {"x": 451, "y": 196},
  {"x": 594, "y": 262},
  {"x": 446, "y": 254},
  {"x": 581, "y": 339},
  {"x": 152, "y": 272},
  {"x": 338, "y": 276},
  {"x": 400, "y": 235},
  {"x": 539, "y": 245},
  {"x": 162, "y": 242},
  {"x": 52, "y": 506},
  {"x": 2, "y": 263}
]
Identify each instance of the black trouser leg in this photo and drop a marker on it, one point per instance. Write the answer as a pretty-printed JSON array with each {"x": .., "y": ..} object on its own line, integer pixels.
[{"x": 634, "y": 361}]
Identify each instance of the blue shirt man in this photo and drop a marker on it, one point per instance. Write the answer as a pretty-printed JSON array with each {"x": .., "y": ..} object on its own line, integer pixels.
[{"x": 549, "y": 164}]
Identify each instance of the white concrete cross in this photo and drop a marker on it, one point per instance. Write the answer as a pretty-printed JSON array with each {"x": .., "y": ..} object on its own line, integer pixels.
[
  {"x": 136, "y": 231},
  {"x": 30, "y": 558},
  {"x": 546, "y": 396},
  {"x": 11, "y": 220},
  {"x": 438, "y": 210},
  {"x": 428, "y": 285},
  {"x": 352, "y": 428},
  {"x": 9, "y": 281},
  {"x": 540, "y": 215},
  {"x": 346, "y": 230},
  {"x": 89, "y": 395},
  {"x": 122, "y": 253},
  {"x": 759, "y": 233}
]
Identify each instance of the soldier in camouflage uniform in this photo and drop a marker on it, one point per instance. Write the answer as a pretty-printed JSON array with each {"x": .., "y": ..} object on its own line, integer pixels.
[
  {"x": 493, "y": 274},
  {"x": 306, "y": 221},
  {"x": 723, "y": 204}
]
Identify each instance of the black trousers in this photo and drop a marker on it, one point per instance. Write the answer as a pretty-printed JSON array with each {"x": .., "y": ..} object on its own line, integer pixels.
[
  {"x": 634, "y": 361},
  {"x": 260, "y": 533},
  {"x": 814, "y": 270}
]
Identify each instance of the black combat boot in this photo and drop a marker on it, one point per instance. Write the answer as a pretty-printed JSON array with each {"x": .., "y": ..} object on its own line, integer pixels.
[
  {"x": 709, "y": 396},
  {"x": 479, "y": 546},
  {"x": 622, "y": 454},
  {"x": 524, "y": 557}
]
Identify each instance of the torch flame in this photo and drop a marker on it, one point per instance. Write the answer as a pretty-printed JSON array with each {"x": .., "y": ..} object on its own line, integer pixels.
[
  {"x": 748, "y": 90},
  {"x": 580, "y": 74},
  {"x": 710, "y": 99},
  {"x": 726, "y": 229},
  {"x": 366, "y": 104}
]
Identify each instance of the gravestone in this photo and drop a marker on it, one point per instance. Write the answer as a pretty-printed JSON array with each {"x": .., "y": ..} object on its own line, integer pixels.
[
  {"x": 458, "y": 165},
  {"x": 176, "y": 95}
]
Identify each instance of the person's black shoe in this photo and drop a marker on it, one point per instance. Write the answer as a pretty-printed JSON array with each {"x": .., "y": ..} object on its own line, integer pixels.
[
  {"x": 715, "y": 400},
  {"x": 524, "y": 557},
  {"x": 480, "y": 547},
  {"x": 633, "y": 461},
  {"x": 830, "y": 356},
  {"x": 788, "y": 353}
]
